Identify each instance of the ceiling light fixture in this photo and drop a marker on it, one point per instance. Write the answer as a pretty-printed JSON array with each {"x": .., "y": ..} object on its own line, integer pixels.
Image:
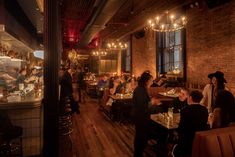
[
  {"x": 167, "y": 22},
  {"x": 116, "y": 45},
  {"x": 99, "y": 53},
  {"x": 72, "y": 55}
]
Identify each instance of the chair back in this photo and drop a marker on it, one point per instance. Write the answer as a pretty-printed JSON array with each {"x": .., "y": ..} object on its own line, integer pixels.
[
  {"x": 105, "y": 96},
  {"x": 153, "y": 91},
  {"x": 214, "y": 143}
]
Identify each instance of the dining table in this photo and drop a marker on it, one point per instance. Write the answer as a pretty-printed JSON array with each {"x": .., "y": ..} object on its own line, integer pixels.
[
  {"x": 121, "y": 107},
  {"x": 166, "y": 94},
  {"x": 166, "y": 126},
  {"x": 166, "y": 121}
]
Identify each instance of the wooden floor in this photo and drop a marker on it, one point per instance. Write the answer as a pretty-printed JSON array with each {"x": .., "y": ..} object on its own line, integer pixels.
[{"x": 95, "y": 135}]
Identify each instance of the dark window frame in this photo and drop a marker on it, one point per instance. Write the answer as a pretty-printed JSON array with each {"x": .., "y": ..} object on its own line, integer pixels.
[{"x": 162, "y": 49}]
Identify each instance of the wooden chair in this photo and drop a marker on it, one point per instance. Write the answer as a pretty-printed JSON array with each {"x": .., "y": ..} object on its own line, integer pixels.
[{"x": 103, "y": 107}]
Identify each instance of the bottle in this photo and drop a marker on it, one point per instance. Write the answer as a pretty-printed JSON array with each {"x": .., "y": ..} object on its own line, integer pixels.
[{"x": 170, "y": 112}]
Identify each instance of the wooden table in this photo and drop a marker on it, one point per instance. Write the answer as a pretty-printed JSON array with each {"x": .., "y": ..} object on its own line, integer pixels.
[
  {"x": 161, "y": 97},
  {"x": 91, "y": 89},
  {"x": 164, "y": 120},
  {"x": 121, "y": 107},
  {"x": 121, "y": 97},
  {"x": 168, "y": 95}
]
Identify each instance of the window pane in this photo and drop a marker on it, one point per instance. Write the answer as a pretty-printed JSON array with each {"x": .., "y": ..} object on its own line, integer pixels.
[
  {"x": 171, "y": 39},
  {"x": 166, "y": 67},
  {"x": 159, "y": 39},
  {"x": 167, "y": 44},
  {"x": 178, "y": 37},
  {"x": 166, "y": 57},
  {"x": 177, "y": 55}
]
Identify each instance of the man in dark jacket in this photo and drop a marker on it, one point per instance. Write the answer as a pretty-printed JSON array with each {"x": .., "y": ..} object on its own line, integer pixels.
[
  {"x": 193, "y": 118},
  {"x": 67, "y": 88}
]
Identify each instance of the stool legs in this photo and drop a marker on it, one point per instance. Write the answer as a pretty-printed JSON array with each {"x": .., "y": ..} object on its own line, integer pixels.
[{"x": 16, "y": 147}]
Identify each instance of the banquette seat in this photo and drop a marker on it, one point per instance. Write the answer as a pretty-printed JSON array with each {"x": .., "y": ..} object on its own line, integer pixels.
[{"x": 215, "y": 143}]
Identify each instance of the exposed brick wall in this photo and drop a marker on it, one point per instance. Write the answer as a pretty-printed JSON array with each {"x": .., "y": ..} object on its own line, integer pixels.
[
  {"x": 144, "y": 54},
  {"x": 211, "y": 43}
]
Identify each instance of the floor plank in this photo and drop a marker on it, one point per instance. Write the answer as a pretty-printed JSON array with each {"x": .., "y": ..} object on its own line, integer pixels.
[{"x": 95, "y": 135}]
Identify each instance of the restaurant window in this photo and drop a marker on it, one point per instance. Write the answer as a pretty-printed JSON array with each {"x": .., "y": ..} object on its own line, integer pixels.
[
  {"x": 126, "y": 59},
  {"x": 171, "y": 52}
]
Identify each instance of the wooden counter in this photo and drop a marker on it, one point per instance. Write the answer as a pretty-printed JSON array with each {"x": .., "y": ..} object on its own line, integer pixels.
[
  {"x": 23, "y": 104},
  {"x": 27, "y": 113}
]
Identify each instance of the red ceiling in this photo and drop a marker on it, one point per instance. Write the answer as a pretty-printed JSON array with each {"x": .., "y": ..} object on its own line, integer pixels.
[{"x": 75, "y": 15}]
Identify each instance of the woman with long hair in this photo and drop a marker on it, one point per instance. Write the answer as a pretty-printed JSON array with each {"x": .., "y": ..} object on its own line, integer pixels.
[
  {"x": 141, "y": 101},
  {"x": 223, "y": 114},
  {"x": 211, "y": 90}
]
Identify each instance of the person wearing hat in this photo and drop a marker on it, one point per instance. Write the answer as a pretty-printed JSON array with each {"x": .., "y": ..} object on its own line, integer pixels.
[
  {"x": 223, "y": 113},
  {"x": 217, "y": 83}
]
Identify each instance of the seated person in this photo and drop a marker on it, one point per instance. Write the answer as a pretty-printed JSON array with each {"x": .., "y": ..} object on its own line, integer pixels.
[
  {"x": 22, "y": 76},
  {"x": 210, "y": 92},
  {"x": 131, "y": 85},
  {"x": 102, "y": 83},
  {"x": 114, "y": 86},
  {"x": 181, "y": 101},
  {"x": 192, "y": 118},
  {"x": 33, "y": 77},
  {"x": 224, "y": 111},
  {"x": 122, "y": 84}
]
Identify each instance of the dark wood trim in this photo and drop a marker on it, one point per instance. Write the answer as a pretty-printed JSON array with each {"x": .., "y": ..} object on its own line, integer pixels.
[
  {"x": 184, "y": 42},
  {"x": 52, "y": 44},
  {"x": 159, "y": 48},
  {"x": 19, "y": 15},
  {"x": 131, "y": 53}
]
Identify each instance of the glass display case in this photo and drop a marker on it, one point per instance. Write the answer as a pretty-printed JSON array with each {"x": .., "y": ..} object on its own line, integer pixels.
[
  {"x": 18, "y": 81},
  {"x": 21, "y": 92}
]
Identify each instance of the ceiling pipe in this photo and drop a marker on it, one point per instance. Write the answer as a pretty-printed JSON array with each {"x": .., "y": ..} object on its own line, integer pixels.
[
  {"x": 138, "y": 22},
  {"x": 95, "y": 15},
  {"x": 105, "y": 11}
]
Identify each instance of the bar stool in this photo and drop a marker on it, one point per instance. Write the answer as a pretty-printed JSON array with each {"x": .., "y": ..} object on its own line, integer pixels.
[
  {"x": 65, "y": 118},
  {"x": 11, "y": 142}
]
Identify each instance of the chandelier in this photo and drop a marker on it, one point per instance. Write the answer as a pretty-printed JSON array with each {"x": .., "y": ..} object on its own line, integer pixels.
[
  {"x": 167, "y": 22},
  {"x": 99, "y": 53},
  {"x": 72, "y": 54},
  {"x": 116, "y": 45}
]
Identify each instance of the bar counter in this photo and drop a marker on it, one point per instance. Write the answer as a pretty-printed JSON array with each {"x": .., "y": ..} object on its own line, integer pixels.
[
  {"x": 23, "y": 104},
  {"x": 27, "y": 113}
]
